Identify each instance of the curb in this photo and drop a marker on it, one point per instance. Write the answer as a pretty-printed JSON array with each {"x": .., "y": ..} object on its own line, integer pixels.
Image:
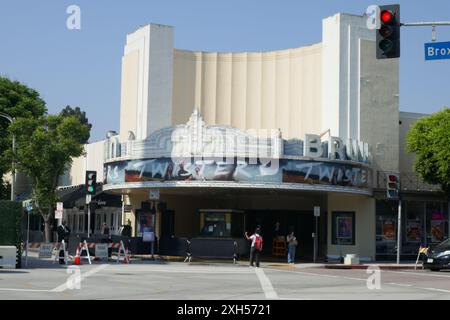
[{"x": 365, "y": 266}]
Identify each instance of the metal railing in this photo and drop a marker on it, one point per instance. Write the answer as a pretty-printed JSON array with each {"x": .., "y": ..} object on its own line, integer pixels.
[{"x": 409, "y": 181}]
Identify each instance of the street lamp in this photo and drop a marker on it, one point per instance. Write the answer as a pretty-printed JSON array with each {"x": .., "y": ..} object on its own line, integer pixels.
[{"x": 13, "y": 171}]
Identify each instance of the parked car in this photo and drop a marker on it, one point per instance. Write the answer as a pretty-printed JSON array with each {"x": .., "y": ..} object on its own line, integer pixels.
[{"x": 439, "y": 257}]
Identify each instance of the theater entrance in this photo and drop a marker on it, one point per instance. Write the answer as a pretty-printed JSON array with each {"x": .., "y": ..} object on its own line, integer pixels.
[{"x": 276, "y": 224}]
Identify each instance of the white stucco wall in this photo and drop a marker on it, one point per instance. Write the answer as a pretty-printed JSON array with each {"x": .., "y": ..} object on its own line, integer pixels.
[
  {"x": 91, "y": 160},
  {"x": 364, "y": 208},
  {"x": 251, "y": 90},
  {"x": 360, "y": 94},
  {"x": 407, "y": 119},
  {"x": 147, "y": 79}
]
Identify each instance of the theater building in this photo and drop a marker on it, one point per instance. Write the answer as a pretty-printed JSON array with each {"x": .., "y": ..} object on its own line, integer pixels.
[{"x": 228, "y": 141}]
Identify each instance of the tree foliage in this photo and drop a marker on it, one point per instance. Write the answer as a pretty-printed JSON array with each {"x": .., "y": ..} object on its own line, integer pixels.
[
  {"x": 18, "y": 101},
  {"x": 81, "y": 115},
  {"x": 429, "y": 138},
  {"x": 45, "y": 147}
]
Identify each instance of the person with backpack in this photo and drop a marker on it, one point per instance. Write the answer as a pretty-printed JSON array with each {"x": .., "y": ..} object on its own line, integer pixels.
[{"x": 256, "y": 246}]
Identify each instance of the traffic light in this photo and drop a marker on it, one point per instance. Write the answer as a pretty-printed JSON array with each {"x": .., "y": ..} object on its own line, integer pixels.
[
  {"x": 91, "y": 182},
  {"x": 388, "y": 36},
  {"x": 392, "y": 186}
]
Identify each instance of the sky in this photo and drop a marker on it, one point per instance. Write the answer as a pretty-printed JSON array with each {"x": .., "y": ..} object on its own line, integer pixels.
[{"x": 82, "y": 67}]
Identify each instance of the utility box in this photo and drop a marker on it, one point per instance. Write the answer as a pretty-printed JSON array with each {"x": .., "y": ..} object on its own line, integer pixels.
[
  {"x": 351, "y": 259},
  {"x": 8, "y": 256}
]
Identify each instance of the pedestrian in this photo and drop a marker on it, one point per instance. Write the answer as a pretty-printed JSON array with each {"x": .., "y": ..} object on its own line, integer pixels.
[
  {"x": 292, "y": 245},
  {"x": 63, "y": 232},
  {"x": 105, "y": 229},
  {"x": 256, "y": 246},
  {"x": 277, "y": 230}
]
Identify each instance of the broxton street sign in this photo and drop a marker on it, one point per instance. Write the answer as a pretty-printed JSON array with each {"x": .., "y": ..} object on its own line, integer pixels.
[{"x": 437, "y": 50}]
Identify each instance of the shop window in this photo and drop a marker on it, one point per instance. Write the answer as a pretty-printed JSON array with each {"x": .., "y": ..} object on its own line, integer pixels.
[
  {"x": 413, "y": 230},
  {"x": 221, "y": 224},
  {"x": 436, "y": 222},
  {"x": 145, "y": 222},
  {"x": 343, "y": 228},
  {"x": 386, "y": 226}
]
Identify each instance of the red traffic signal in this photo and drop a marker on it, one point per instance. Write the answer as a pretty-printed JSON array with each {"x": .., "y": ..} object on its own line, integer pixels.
[
  {"x": 392, "y": 186},
  {"x": 388, "y": 35},
  {"x": 386, "y": 16}
]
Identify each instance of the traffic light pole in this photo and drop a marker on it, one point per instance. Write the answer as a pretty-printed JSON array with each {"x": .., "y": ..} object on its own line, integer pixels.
[
  {"x": 425, "y": 24},
  {"x": 399, "y": 230},
  {"x": 88, "y": 204}
]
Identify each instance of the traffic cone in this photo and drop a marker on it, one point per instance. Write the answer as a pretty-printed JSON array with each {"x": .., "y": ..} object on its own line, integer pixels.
[{"x": 77, "y": 259}]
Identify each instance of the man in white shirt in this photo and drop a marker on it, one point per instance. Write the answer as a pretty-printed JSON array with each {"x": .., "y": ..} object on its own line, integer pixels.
[{"x": 256, "y": 246}]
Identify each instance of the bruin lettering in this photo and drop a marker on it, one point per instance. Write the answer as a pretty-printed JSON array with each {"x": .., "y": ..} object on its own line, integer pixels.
[{"x": 336, "y": 149}]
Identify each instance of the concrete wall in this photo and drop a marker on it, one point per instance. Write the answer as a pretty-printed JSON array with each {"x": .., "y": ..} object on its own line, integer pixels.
[
  {"x": 251, "y": 90},
  {"x": 407, "y": 159},
  {"x": 91, "y": 160},
  {"x": 360, "y": 94},
  {"x": 379, "y": 107},
  {"x": 146, "y": 96},
  {"x": 364, "y": 208}
]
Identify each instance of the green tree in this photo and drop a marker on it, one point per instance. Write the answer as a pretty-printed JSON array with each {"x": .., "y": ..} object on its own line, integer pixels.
[
  {"x": 45, "y": 147},
  {"x": 18, "y": 101},
  {"x": 81, "y": 115},
  {"x": 429, "y": 138}
]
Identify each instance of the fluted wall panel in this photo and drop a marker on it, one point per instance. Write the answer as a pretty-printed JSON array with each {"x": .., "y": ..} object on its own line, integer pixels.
[{"x": 251, "y": 90}]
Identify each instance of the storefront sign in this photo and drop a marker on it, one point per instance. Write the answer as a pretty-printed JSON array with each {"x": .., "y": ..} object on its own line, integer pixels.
[
  {"x": 199, "y": 140},
  {"x": 101, "y": 250},
  {"x": 154, "y": 194},
  {"x": 148, "y": 235},
  {"x": 316, "y": 211},
  {"x": 285, "y": 171}
]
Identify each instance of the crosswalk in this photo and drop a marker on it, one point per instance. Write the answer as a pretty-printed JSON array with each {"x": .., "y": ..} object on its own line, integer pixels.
[{"x": 180, "y": 269}]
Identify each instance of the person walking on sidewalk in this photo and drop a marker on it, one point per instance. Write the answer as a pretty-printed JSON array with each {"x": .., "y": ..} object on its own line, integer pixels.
[
  {"x": 292, "y": 245},
  {"x": 256, "y": 246}
]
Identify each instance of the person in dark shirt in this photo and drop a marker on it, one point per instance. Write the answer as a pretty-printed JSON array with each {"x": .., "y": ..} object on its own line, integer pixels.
[{"x": 63, "y": 232}]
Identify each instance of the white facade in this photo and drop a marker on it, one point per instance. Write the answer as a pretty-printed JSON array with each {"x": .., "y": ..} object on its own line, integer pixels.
[
  {"x": 147, "y": 79},
  {"x": 334, "y": 88}
]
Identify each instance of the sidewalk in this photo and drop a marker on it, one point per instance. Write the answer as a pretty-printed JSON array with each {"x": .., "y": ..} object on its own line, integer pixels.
[
  {"x": 381, "y": 266},
  {"x": 34, "y": 262}
]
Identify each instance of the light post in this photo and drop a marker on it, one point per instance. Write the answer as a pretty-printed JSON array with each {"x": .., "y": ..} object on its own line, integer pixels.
[{"x": 13, "y": 171}]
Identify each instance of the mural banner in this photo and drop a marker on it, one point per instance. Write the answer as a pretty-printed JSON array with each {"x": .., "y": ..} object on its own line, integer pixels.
[{"x": 280, "y": 171}]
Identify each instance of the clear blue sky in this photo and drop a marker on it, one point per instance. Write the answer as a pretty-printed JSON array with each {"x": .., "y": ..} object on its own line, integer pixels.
[{"x": 82, "y": 67}]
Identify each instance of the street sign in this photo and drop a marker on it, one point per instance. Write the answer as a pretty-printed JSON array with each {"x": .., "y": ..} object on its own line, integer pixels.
[
  {"x": 59, "y": 210},
  {"x": 437, "y": 50},
  {"x": 316, "y": 211},
  {"x": 154, "y": 194},
  {"x": 101, "y": 250},
  {"x": 58, "y": 214},
  {"x": 148, "y": 235},
  {"x": 28, "y": 204}
]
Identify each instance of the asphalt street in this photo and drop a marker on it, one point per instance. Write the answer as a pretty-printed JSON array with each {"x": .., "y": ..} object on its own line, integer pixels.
[{"x": 176, "y": 280}]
